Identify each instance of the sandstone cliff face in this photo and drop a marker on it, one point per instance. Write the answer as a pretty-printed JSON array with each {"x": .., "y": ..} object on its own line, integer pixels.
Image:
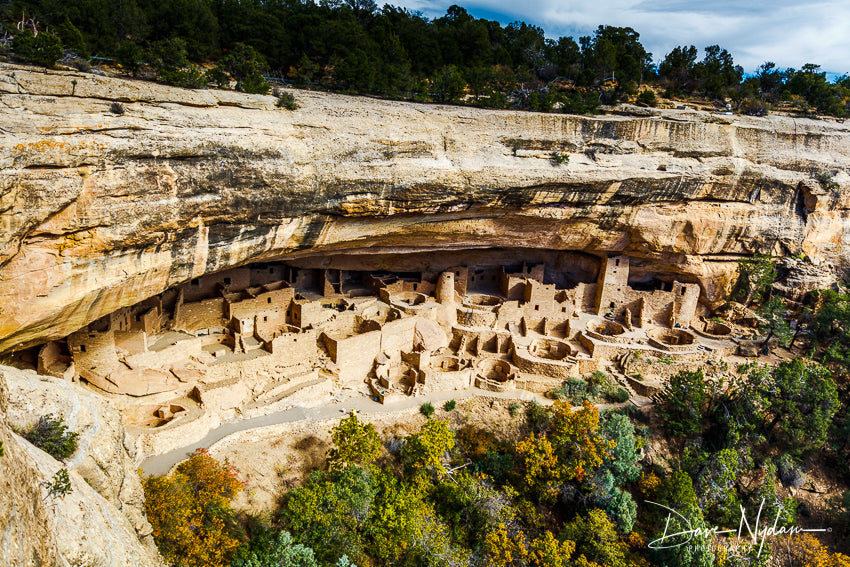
[
  {"x": 93, "y": 525},
  {"x": 103, "y": 456},
  {"x": 100, "y": 210}
]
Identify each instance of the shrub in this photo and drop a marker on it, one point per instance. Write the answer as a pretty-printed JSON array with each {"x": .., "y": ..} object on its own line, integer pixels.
[
  {"x": 574, "y": 389},
  {"x": 45, "y": 49},
  {"x": 618, "y": 397},
  {"x": 51, "y": 435},
  {"x": 647, "y": 97},
  {"x": 513, "y": 409},
  {"x": 271, "y": 547},
  {"x": 190, "y": 78},
  {"x": 59, "y": 486},
  {"x": 190, "y": 511},
  {"x": 254, "y": 84},
  {"x": 427, "y": 409},
  {"x": 72, "y": 38},
  {"x": 81, "y": 65},
  {"x": 355, "y": 443},
  {"x": 754, "y": 107},
  {"x": 449, "y": 405},
  {"x": 789, "y": 471},
  {"x": 129, "y": 56},
  {"x": 217, "y": 77},
  {"x": 560, "y": 158},
  {"x": 116, "y": 108},
  {"x": 539, "y": 417},
  {"x": 286, "y": 100}
]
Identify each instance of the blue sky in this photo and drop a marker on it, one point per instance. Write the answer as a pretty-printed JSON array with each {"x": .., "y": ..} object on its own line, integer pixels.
[{"x": 789, "y": 33}]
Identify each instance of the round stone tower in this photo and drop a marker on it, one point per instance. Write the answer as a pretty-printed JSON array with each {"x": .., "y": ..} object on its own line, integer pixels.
[{"x": 445, "y": 291}]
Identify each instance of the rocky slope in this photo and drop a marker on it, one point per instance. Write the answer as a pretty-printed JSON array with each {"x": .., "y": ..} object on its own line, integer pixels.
[
  {"x": 101, "y": 522},
  {"x": 99, "y": 210}
]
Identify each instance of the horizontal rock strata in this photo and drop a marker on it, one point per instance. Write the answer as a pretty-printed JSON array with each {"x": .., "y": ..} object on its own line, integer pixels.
[{"x": 99, "y": 210}]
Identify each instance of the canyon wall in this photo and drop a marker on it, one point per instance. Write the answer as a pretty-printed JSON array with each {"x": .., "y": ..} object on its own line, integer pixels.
[
  {"x": 101, "y": 209},
  {"x": 101, "y": 521}
]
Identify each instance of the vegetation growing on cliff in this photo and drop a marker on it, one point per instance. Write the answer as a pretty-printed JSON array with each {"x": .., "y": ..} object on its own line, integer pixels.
[
  {"x": 356, "y": 47},
  {"x": 51, "y": 435}
]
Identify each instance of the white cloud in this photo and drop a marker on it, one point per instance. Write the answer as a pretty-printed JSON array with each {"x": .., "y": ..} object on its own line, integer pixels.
[{"x": 784, "y": 31}]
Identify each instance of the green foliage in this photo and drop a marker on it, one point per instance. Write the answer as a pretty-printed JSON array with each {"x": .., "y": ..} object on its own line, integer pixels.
[
  {"x": 218, "y": 77},
  {"x": 573, "y": 390},
  {"x": 129, "y": 55},
  {"x": 648, "y": 98},
  {"x": 356, "y": 47},
  {"x": 273, "y": 547},
  {"x": 172, "y": 65},
  {"x": 448, "y": 84},
  {"x": 539, "y": 417},
  {"x": 623, "y": 463},
  {"x": 514, "y": 408},
  {"x": 774, "y": 322},
  {"x": 683, "y": 401},
  {"x": 423, "y": 451},
  {"x": 449, "y": 405},
  {"x": 59, "y": 486},
  {"x": 328, "y": 513},
  {"x": 2, "y": 450},
  {"x": 596, "y": 538},
  {"x": 286, "y": 100},
  {"x": 619, "y": 396},
  {"x": 677, "y": 493},
  {"x": 254, "y": 84},
  {"x": 72, "y": 38},
  {"x": 427, "y": 409},
  {"x": 622, "y": 508},
  {"x": 560, "y": 158},
  {"x": 355, "y": 443},
  {"x": 830, "y": 329},
  {"x": 755, "y": 276},
  {"x": 825, "y": 180},
  {"x": 190, "y": 511},
  {"x": 802, "y": 401},
  {"x": 44, "y": 49},
  {"x": 51, "y": 435}
]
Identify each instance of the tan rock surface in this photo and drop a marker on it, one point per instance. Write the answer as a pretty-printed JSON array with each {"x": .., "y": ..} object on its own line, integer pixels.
[
  {"x": 99, "y": 211},
  {"x": 103, "y": 455},
  {"x": 91, "y": 525}
]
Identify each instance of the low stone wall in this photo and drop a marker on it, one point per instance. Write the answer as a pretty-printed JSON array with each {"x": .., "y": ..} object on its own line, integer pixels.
[
  {"x": 672, "y": 340},
  {"x": 475, "y": 317},
  {"x": 435, "y": 380},
  {"x": 531, "y": 364}
]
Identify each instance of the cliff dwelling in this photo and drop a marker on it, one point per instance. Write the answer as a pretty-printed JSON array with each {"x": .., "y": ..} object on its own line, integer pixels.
[{"x": 262, "y": 337}]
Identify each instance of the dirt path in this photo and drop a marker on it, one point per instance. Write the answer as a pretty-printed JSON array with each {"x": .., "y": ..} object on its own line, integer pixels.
[{"x": 162, "y": 464}]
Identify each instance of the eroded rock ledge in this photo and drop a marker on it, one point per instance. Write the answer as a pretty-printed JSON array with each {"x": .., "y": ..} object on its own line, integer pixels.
[{"x": 101, "y": 210}]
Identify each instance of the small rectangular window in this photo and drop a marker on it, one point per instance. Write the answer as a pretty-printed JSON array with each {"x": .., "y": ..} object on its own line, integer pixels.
[
  {"x": 82, "y": 348},
  {"x": 617, "y": 262},
  {"x": 537, "y": 308},
  {"x": 269, "y": 299}
]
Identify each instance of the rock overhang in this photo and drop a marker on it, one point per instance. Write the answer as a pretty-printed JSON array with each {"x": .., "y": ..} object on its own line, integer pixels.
[{"x": 100, "y": 211}]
